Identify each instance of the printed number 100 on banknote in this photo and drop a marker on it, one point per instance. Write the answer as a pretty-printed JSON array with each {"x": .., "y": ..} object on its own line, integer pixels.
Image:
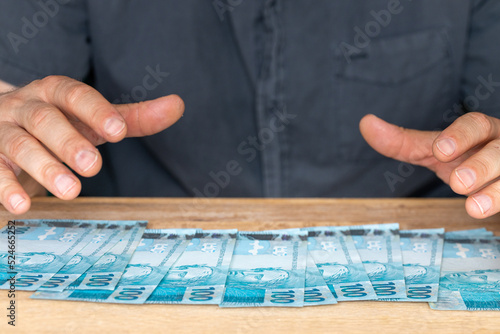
[{"x": 267, "y": 269}]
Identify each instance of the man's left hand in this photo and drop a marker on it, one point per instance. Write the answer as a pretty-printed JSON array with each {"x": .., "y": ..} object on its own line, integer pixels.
[{"x": 466, "y": 155}]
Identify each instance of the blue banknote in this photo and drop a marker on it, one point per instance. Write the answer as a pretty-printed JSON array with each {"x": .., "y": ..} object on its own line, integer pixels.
[
  {"x": 41, "y": 250},
  {"x": 107, "y": 271},
  {"x": 422, "y": 253},
  {"x": 267, "y": 269},
  {"x": 316, "y": 291},
  {"x": 338, "y": 261},
  {"x": 477, "y": 232},
  {"x": 379, "y": 248},
  {"x": 470, "y": 274},
  {"x": 199, "y": 275},
  {"x": 105, "y": 237},
  {"x": 153, "y": 257}
]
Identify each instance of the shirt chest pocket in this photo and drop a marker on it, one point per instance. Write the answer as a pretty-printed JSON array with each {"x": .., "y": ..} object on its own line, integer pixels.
[{"x": 405, "y": 80}]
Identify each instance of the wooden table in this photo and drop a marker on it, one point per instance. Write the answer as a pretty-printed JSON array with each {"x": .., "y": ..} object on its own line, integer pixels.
[{"x": 40, "y": 316}]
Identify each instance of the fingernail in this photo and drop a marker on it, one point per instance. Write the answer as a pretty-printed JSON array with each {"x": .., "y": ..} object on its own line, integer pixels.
[
  {"x": 114, "y": 126},
  {"x": 466, "y": 176},
  {"x": 483, "y": 202},
  {"x": 64, "y": 183},
  {"x": 446, "y": 146},
  {"x": 16, "y": 200},
  {"x": 85, "y": 160}
]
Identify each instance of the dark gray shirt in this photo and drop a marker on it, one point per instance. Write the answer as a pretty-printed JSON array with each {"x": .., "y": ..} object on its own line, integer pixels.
[{"x": 274, "y": 89}]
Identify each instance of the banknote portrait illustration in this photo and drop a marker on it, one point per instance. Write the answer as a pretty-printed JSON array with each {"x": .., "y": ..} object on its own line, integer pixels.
[
  {"x": 191, "y": 274},
  {"x": 340, "y": 273},
  {"x": 262, "y": 277},
  {"x": 136, "y": 273},
  {"x": 419, "y": 274},
  {"x": 381, "y": 271},
  {"x": 106, "y": 261},
  {"x": 31, "y": 261},
  {"x": 477, "y": 279}
]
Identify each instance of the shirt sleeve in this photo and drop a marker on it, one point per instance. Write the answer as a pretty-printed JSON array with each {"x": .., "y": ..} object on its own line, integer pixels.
[
  {"x": 481, "y": 80},
  {"x": 41, "y": 38}
]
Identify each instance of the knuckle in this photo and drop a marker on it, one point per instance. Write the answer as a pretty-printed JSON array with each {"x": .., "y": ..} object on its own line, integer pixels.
[
  {"x": 76, "y": 92},
  {"x": 18, "y": 145},
  {"x": 38, "y": 84},
  {"x": 41, "y": 115},
  {"x": 482, "y": 121},
  {"x": 495, "y": 190},
  {"x": 7, "y": 187},
  {"x": 482, "y": 168},
  {"x": 11, "y": 103},
  {"x": 48, "y": 82},
  {"x": 101, "y": 110},
  {"x": 48, "y": 170},
  {"x": 48, "y": 86},
  {"x": 96, "y": 116},
  {"x": 69, "y": 147}
]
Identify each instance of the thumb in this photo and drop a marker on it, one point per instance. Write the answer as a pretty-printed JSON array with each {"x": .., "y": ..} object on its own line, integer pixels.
[
  {"x": 150, "y": 117},
  {"x": 402, "y": 144}
]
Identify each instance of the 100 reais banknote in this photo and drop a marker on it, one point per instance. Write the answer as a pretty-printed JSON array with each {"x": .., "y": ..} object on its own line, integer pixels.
[{"x": 122, "y": 262}]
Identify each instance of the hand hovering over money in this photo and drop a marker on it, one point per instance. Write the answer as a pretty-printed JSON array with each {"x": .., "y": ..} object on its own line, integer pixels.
[
  {"x": 465, "y": 155},
  {"x": 59, "y": 120}
]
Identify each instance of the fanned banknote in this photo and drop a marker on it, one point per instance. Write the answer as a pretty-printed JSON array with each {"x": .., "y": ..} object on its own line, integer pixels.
[
  {"x": 107, "y": 271},
  {"x": 338, "y": 261},
  {"x": 152, "y": 259},
  {"x": 422, "y": 253},
  {"x": 316, "y": 291},
  {"x": 199, "y": 275},
  {"x": 267, "y": 269},
  {"x": 42, "y": 249},
  {"x": 379, "y": 248},
  {"x": 107, "y": 235},
  {"x": 477, "y": 232},
  {"x": 470, "y": 274}
]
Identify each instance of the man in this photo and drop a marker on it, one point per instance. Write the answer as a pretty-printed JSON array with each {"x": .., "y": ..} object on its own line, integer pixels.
[{"x": 274, "y": 93}]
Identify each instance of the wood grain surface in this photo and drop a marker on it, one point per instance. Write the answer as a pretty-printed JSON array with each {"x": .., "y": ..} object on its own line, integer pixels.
[{"x": 45, "y": 316}]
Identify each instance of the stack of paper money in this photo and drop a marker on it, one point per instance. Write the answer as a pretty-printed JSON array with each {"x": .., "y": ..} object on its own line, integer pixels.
[{"x": 123, "y": 262}]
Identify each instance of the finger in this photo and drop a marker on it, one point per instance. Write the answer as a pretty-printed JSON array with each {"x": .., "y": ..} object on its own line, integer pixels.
[
  {"x": 465, "y": 133},
  {"x": 485, "y": 202},
  {"x": 83, "y": 102},
  {"x": 478, "y": 170},
  {"x": 399, "y": 143},
  {"x": 27, "y": 153},
  {"x": 46, "y": 123},
  {"x": 12, "y": 195},
  {"x": 150, "y": 117},
  {"x": 143, "y": 118}
]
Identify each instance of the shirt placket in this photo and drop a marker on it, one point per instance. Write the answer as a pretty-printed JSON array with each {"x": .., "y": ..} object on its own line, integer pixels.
[{"x": 269, "y": 99}]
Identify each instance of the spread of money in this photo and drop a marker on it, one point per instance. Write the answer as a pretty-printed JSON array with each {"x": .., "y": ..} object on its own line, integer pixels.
[{"x": 123, "y": 262}]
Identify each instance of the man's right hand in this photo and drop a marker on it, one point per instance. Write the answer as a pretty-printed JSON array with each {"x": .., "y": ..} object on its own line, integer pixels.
[{"x": 59, "y": 120}]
